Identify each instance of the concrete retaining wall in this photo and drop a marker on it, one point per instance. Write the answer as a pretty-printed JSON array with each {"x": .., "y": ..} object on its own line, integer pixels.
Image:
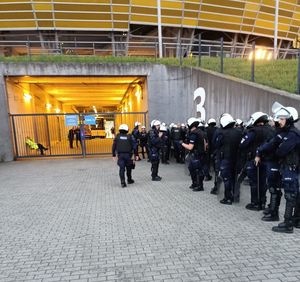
[{"x": 170, "y": 91}]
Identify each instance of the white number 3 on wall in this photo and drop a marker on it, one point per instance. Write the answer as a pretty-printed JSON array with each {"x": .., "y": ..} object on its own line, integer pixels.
[{"x": 200, "y": 92}]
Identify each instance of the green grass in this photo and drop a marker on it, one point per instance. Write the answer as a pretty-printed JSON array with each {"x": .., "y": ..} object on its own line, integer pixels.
[{"x": 280, "y": 74}]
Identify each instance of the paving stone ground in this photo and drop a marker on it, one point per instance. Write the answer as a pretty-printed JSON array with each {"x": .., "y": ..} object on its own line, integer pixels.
[{"x": 69, "y": 220}]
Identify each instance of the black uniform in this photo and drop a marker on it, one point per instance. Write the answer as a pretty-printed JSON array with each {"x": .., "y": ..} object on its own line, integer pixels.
[
  {"x": 196, "y": 161},
  {"x": 143, "y": 143},
  {"x": 176, "y": 139},
  {"x": 255, "y": 137},
  {"x": 227, "y": 143},
  {"x": 155, "y": 143},
  {"x": 124, "y": 145},
  {"x": 136, "y": 134}
]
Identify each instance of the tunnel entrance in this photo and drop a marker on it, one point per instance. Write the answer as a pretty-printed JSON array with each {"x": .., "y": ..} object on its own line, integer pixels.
[{"x": 72, "y": 115}]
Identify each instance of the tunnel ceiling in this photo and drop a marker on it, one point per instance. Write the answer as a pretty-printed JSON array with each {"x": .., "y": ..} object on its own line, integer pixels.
[{"x": 82, "y": 92}]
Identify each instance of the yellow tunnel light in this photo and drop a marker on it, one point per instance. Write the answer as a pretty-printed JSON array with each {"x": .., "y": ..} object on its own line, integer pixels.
[
  {"x": 57, "y": 110},
  {"x": 138, "y": 91},
  {"x": 48, "y": 106},
  {"x": 27, "y": 96}
]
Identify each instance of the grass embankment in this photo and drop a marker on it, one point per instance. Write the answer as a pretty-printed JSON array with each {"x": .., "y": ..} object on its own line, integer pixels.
[{"x": 280, "y": 74}]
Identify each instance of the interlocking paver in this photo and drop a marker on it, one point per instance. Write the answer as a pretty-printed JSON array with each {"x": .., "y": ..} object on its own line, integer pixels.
[{"x": 69, "y": 220}]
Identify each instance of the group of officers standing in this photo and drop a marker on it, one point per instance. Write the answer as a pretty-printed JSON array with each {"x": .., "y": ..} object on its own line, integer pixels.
[{"x": 266, "y": 150}]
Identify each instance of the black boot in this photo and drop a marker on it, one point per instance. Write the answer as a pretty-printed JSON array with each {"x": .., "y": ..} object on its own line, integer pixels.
[
  {"x": 226, "y": 201},
  {"x": 199, "y": 182},
  {"x": 287, "y": 225},
  {"x": 198, "y": 188},
  {"x": 253, "y": 207},
  {"x": 129, "y": 177},
  {"x": 273, "y": 214},
  {"x": 154, "y": 170},
  {"x": 194, "y": 181},
  {"x": 296, "y": 217},
  {"x": 123, "y": 183},
  {"x": 156, "y": 178}
]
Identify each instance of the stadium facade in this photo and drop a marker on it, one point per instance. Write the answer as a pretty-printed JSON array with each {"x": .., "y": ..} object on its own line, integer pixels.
[{"x": 139, "y": 21}]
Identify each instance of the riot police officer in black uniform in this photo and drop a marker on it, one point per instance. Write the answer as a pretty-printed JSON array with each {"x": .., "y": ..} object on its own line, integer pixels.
[
  {"x": 260, "y": 132},
  {"x": 196, "y": 147},
  {"x": 175, "y": 139},
  {"x": 205, "y": 167},
  {"x": 211, "y": 129},
  {"x": 155, "y": 143},
  {"x": 227, "y": 141},
  {"x": 286, "y": 147},
  {"x": 165, "y": 144},
  {"x": 143, "y": 141},
  {"x": 136, "y": 134},
  {"x": 264, "y": 153},
  {"x": 124, "y": 145}
]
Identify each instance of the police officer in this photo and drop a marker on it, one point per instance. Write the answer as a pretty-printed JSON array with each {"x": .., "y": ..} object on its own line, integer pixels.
[
  {"x": 165, "y": 144},
  {"x": 143, "y": 141},
  {"x": 265, "y": 153},
  {"x": 155, "y": 143},
  {"x": 227, "y": 142},
  {"x": 239, "y": 124},
  {"x": 196, "y": 146},
  {"x": 259, "y": 132},
  {"x": 211, "y": 129},
  {"x": 286, "y": 147},
  {"x": 136, "y": 134},
  {"x": 205, "y": 167},
  {"x": 176, "y": 138},
  {"x": 124, "y": 145}
]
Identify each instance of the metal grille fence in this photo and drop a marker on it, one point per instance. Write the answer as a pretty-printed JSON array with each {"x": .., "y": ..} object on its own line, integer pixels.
[{"x": 51, "y": 132}]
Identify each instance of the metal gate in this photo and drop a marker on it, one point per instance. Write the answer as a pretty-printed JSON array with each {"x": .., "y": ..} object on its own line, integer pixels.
[{"x": 53, "y": 132}]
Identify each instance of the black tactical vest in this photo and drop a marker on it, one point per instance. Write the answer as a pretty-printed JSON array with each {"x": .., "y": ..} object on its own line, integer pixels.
[
  {"x": 198, "y": 148},
  {"x": 176, "y": 134},
  {"x": 231, "y": 140},
  {"x": 293, "y": 157},
  {"x": 263, "y": 134},
  {"x": 124, "y": 143}
]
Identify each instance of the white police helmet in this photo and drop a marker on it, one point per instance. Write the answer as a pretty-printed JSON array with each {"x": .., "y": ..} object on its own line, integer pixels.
[
  {"x": 201, "y": 122},
  {"x": 259, "y": 117},
  {"x": 123, "y": 127},
  {"x": 282, "y": 112},
  {"x": 294, "y": 113},
  {"x": 152, "y": 122},
  {"x": 163, "y": 128},
  {"x": 143, "y": 127},
  {"x": 211, "y": 121},
  {"x": 226, "y": 119},
  {"x": 276, "y": 106},
  {"x": 156, "y": 122},
  {"x": 192, "y": 122},
  {"x": 137, "y": 123},
  {"x": 239, "y": 122}
]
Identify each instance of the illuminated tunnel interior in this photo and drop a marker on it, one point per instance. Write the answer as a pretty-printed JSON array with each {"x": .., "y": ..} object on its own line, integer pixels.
[{"x": 42, "y": 104}]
